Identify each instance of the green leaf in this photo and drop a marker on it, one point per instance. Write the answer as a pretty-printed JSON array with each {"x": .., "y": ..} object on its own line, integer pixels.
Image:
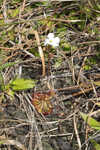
[
  {"x": 95, "y": 144},
  {"x": 1, "y": 82},
  {"x": 58, "y": 62},
  {"x": 22, "y": 84},
  {"x": 87, "y": 67},
  {"x": 97, "y": 83},
  {"x": 11, "y": 94},
  {"x": 66, "y": 46},
  {"x": 15, "y": 12},
  {"x": 98, "y": 103},
  {"x": 90, "y": 121},
  {"x": 3, "y": 66}
]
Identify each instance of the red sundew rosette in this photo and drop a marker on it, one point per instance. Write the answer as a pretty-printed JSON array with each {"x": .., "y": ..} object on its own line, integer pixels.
[{"x": 42, "y": 103}]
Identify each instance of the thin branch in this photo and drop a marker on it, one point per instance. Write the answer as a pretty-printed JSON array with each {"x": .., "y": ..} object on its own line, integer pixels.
[
  {"x": 76, "y": 132},
  {"x": 40, "y": 51}
]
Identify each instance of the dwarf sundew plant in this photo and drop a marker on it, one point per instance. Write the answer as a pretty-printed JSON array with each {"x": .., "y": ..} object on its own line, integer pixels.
[{"x": 52, "y": 40}]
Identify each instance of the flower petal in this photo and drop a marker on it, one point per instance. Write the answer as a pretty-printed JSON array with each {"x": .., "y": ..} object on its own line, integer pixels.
[
  {"x": 51, "y": 40},
  {"x": 57, "y": 39},
  {"x": 50, "y": 35},
  {"x": 46, "y": 42}
]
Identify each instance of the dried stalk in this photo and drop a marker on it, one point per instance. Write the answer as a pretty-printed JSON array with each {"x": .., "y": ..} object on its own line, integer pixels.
[{"x": 40, "y": 51}]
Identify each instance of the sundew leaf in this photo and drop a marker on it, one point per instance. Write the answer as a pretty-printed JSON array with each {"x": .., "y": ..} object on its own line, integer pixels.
[
  {"x": 95, "y": 144},
  {"x": 22, "y": 84},
  {"x": 90, "y": 121},
  {"x": 42, "y": 103}
]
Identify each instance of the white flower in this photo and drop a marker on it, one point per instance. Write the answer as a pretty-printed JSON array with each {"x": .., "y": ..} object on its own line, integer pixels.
[
  {"x": 50, "y": 35},
  {"x": 52, "y": 40}
]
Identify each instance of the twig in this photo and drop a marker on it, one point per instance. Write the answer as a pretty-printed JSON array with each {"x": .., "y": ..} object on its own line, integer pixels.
[
  {"x": 76, "y": 132},
  {"x": 33, "y": 124},
  {"x": 89, "y": 42},
  {"x": 83, "y": 63},
  {"x": 57, "y": 135},
  {"x": 5, "y": 141},
  {"x": 66, "y": 21},
  {"x": 5, "y": 11},
  {"x": 40, "y": 51}
]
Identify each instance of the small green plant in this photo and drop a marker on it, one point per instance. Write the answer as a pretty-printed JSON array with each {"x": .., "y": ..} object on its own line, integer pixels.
[
  {"x": 93, "y": 124},
  {"x": 95, "y": 145},
  {"x": 16, "y": 84},
  {"x": 21, "y": 84},
  {"x": 4, "y": 66},
  {"x": 90, "y": 121}
]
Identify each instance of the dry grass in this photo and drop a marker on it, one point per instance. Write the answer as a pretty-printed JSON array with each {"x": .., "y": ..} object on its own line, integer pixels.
[{"x": 68, "y": 70}]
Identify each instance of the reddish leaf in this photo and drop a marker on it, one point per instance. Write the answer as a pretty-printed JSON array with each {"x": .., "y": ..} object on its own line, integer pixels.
[{"x": 42, "y": 103}]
